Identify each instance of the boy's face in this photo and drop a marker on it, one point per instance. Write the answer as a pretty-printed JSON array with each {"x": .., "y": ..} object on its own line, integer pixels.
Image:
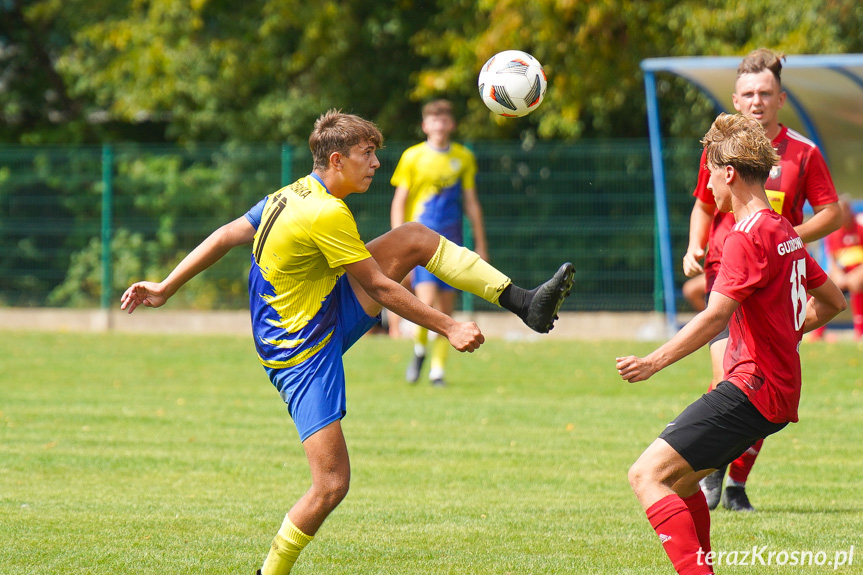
[
  {"x": 720, "y": 176},
  {"x": 759, "y": 95},
  {"x": 438, "y": 126},
  {"x": 358, "y": 167}
]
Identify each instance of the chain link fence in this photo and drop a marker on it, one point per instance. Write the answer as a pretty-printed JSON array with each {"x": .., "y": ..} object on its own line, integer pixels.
[{"x": 78, "y": 224}]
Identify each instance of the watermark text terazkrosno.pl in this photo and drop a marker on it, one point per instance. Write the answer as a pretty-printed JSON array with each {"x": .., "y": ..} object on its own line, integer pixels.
[{"x": 766, "y": 556}]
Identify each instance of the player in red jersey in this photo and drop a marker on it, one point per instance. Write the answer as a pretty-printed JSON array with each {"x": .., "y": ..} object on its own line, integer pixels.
[
  {"x": 845, "y": 251},
  {"x": 763, "y": 284},
  {"x": 800, "y": 176}
]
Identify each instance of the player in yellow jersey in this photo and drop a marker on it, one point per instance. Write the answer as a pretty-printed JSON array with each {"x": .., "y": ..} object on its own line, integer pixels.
[
  {"x": 435, "y": 185},
  {"x": 315, "y": 288}
]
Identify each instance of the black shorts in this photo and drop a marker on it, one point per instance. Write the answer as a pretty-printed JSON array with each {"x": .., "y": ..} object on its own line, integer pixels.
[{"x": 718, "y": 428}]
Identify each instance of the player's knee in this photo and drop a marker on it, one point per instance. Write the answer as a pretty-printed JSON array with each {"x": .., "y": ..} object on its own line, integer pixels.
[
  {"x": 333, "y": 490},
  {"x": 636, "y": 475},
  {"x": 416, "y": 242},
  {"x": 338, "y": 493},
  {"x": 415, "y": 233}
]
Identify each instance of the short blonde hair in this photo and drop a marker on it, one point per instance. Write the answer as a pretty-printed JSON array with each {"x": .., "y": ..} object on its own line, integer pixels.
[
  {"x": 741, "y": 142},
  {"x": 336, "y": 131}
]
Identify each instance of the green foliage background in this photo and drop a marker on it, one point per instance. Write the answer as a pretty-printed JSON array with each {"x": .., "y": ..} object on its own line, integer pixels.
[
  {"x": 224, "y": 84},
  {"x": 546, "y": 202},
  {"x": 261, "y": 70}
]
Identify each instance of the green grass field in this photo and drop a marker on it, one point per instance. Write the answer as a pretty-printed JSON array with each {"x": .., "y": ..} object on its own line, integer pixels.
[{"x": 130, "y": 454}]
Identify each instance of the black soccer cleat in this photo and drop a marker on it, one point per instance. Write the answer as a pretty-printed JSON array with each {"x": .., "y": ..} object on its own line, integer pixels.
[
  {"x": 546, "y": 301},
  {"x": 712, "y": 487},
  {"x": 735, "y": 499}
]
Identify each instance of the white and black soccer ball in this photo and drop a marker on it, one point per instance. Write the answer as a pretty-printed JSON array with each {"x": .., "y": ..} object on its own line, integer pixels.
[{"x": 512, "y": 83}]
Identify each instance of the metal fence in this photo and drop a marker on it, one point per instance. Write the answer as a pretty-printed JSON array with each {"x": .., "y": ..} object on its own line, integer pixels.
[{"x": 78, "y": 224}]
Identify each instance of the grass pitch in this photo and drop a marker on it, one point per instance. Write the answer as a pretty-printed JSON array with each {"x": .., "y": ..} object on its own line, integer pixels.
[{"x": 130, "y": 454}]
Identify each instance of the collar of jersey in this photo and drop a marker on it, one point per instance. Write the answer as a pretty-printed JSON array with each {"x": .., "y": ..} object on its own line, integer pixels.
[
  {"x": 782, "y": 131},
  {"x": 318, "y": 178},
  {"x": 440, "y": 150}
]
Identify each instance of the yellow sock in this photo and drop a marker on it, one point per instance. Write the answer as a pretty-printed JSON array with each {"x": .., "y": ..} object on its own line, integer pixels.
[
  {"x": 287, "y": 544},
  {"x": 440, "y": 347},
  {"x": 421, "y": 338},
  {"x": 466, "y": 271}
]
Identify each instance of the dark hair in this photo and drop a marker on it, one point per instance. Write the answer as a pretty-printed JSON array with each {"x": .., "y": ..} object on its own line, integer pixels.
[
  {"x": 762, "y": 59},
  {"x": 335, "y": 131},
  {"x": 740, "y": 141}
]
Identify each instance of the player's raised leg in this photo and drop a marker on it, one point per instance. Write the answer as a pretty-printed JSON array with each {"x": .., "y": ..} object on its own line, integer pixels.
[{"x": 411, "y": 244}]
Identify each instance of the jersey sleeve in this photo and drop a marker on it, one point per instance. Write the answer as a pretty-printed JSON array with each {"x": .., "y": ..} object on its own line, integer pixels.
[
  {"x": 744, "y": 267},
  {"x": 336, "y": 235},
  {"x": 819, "y": 184},
  {"x": 701, "y": 192},
  {"x": 256, "y": 213}
]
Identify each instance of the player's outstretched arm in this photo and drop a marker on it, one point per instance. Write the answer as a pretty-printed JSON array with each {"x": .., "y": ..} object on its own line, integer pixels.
[
  {"x": 826, "y": 302},
  {"x": 695, "y": 334},
  {"x": 208, "y": 252},
  {"x": 377, "y": 286}
]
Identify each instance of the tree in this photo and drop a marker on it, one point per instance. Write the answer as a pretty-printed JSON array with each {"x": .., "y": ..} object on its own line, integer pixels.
[
  {"x": 215, "y": 73},
  {"x": 34, "y": 99},
  {"x": 591, "y": 52},
  {"x": 217, "y": 70}
]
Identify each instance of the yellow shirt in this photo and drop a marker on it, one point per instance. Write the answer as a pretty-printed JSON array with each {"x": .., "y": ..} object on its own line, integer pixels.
[{"x": 304, "y": 238}]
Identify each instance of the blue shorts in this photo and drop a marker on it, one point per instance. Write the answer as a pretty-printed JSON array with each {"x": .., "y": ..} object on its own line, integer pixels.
[{"x": 314, "y": 390}]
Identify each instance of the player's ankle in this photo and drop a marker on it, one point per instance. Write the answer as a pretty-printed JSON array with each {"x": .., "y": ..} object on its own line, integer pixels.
[{"x": 516, "y": 300}]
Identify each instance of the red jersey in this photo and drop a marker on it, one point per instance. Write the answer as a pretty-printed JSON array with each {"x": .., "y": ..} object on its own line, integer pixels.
[
  {"x": 767, "y": 269},
  {"x": 845, "y": 245},
  {"x": 801, "y": 175}
]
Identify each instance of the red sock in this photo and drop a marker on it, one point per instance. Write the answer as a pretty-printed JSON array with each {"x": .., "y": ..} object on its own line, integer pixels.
[
  {"x": 818, "y": 333},
  {"x": 740, "y": 467},
  {"x": 672, "y": 521},
  {"x": 857, "y": 313},
  {"x": 697, "y": 505}
]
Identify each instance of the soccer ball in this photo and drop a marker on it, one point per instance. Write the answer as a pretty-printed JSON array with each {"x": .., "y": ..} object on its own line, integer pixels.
[{"x": 512, "y": 83}]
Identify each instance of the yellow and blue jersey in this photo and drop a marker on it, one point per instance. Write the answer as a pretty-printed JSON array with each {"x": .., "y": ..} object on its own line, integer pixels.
[
  {"x": 304, "y": 236},
  {"x": 435, "y": 180}
]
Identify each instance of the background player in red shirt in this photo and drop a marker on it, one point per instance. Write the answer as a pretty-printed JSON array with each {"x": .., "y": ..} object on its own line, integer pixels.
[
  {"x": 845, "y": 252},
  {"x": 800, "y": 176},
  {"x": 763, "y": 283}
]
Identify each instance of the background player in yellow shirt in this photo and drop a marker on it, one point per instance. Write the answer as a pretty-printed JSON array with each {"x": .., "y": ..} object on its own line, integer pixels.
[
  {"x": 435, "y": 185},
  {"x": 315, "y": 288}
]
